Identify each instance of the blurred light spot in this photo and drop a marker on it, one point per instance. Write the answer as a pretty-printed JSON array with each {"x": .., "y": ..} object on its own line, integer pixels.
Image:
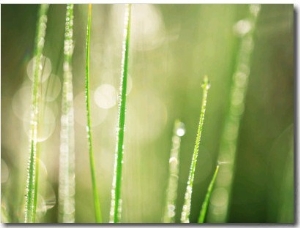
[
  {"x": 4, "y": 171},
  {"x": 51, "y": 89},
  {"x": 147, "y": 27},
  {"x": 219, "y": 197},
  {"x": 242, "y": 27},
  {"x": 98, "y": 115},
  {"x": 173, "y": 161},
  {"x": 225, "y": 175},
  {"x": 41, "y": 208},
  {"x": 46, "y": 123},
  {"x": 105, "y": 96},
  {"x": 21, "y": 101},
  {"x": 148, "y": 30},
  {"x": 45, "y": 66},
  {"x": 180, "y": 129},
  {"x": 49, "y": 196},
  {"x": 254, "y": 9}
]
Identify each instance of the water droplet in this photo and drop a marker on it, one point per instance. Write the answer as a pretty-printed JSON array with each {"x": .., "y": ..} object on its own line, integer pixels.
[
  {"x": 206, "y": 83},
  {"x": 45, "y": 67},
  {"x": 242, "y": 27},
  {"x": 180, "y": 129},
  {"x": 173, "y": 160},
  {"x": 219, "y": 197},
  {"x": 254, "y": 9}
]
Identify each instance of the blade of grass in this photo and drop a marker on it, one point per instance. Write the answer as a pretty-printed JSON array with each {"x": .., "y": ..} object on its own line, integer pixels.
[
  {"x": 31, "y": 185},
  {"x": 238, "y": 92},
  {"x": 207, "y": 197},
  {"x": 169, "y": 214},
  {"x": 67, "y": 157},
  {"x": 116, "y": 208},
  {"x": 98, "y": 216},
  {"x": 188, "y": 193}
]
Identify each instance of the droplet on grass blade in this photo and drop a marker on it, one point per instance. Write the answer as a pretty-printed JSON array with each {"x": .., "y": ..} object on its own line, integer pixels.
[
  {"x": 180, "y": 129},
  {"x": 242, "y": 27}
]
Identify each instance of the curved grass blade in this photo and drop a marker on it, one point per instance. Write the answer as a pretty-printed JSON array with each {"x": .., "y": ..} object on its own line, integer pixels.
[
  {"x": 116, "y": 208},
  {"x": 188, "y": 193},
  {"x": 169, "y": 214},
  {"x": 31, "y": 184},
  {"x": 98, "y": 216},
  {"x": 67, "y": 157},
  {"x": 207, "y": 197},
  {"x": 229, "y": 138}
]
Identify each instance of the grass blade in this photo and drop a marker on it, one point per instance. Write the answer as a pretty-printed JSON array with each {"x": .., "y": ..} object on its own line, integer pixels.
[
  {"x": 116, "y": 208},
  {"x": 31, "y": 185},
  {"x": 229, "y": 138},
  {"x": 207, "y": 197},
  {"x": 98, "y": 216},
  {"x": 188, "y": 193},
  {"x": 169, "y": 214},
  {"x": 67, "y": 156}
]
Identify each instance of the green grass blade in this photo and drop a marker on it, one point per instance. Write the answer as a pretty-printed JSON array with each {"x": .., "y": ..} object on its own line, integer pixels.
[
  {"x": 188, "y": 194},
  {"x": 230, "y": 133},
  {"x": 98, "y": 215},
  {"x": 169, "y": 214},
  {"x": 207, "y": 197},
  {"x": 67, "y": 157},
  {"x": 31, "y": 185},
  {"x": 116, "y": 208}
]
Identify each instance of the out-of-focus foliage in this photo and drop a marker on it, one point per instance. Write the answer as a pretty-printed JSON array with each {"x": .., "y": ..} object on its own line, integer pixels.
[{"x": 172, "y": 48}]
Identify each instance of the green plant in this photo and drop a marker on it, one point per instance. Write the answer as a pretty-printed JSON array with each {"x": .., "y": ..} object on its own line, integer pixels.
[
  {"x": 116, "y": 204},
  {"x": 204, "y": 207},
  {"x": 171, "y": 193},
  {"x": 31, "y": 186},
  {"x": 229, "y": 140},
  {"x": 88, "y": 126},
  {"x": 188, "y": 193},
  {"x": 67, "y": 156}
]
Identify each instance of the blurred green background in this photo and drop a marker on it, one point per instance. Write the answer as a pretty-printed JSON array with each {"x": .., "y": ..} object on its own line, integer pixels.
[{"x": 172, "y": 48}]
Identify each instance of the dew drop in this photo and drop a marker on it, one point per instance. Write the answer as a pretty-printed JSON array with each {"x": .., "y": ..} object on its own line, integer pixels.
[
  {"x": 180, "y": 129},
  {"x": 206, "y": 83},
  {"x": 242, "y": 27}
]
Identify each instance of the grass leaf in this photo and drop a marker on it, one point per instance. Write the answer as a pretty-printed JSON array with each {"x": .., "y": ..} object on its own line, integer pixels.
[
  {"x": 229, "y": 138},
  {"x": 116, "y": 207},
  {"x": 98, "y": 216},
  {"x": 67, "y": 156},
  {"x": 188, "y": 193},
  {"x": 31, "y": 185},
  {"x": 207, "y": 197},
  {"x": 169, "y": 214}
]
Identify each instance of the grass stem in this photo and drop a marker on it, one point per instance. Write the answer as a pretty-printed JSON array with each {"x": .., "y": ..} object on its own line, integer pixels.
[
  {"x": 31, "y": 185},
  {"x": 67, "y": 157},
  {"x": 229, "y": 138},
  {"x": 116, "y": 207},
  {"x": 98, "y": 216},
  {"x": 188, "y": 194},
  {"x": 207, "y": 197},
  {"x": 169, "y": 214}
]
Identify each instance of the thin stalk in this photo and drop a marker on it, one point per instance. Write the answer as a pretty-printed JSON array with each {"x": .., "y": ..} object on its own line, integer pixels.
[
  {"x": 207, "y": 197},
  {"x": 66, "y": 189},
  {"x": 188, "y": 194},
  {"x": 98, "y": 216},
  {"x": 31, "y": 188},
  {"x": 229, "y": 138},
  {"x": 170, "y": 207},
  {"x": 116, "y": 208}
]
